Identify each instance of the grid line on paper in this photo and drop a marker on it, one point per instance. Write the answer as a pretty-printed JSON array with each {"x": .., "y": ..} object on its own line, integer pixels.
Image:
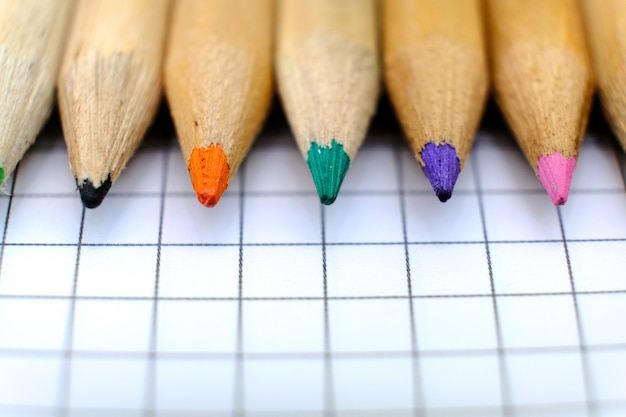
[
  {"x": 270, "y": 356},
  {"x": 287, "y": 299},
  {"x": 151, "y": 371},
  {"x": 66, "y": 371},
  {"x": 7, "y": 216},
  {"x": 529, "y": 409},
  {"x": 239, "y": 389},
  {"x": 418, "y": 395},
  {"x": 298, "y": 244},
  {"x": 353, "y": 193},
  {"x": 505, "y": 388},
  {"x": 329, "y": 390},
  {"x": 587, "y": 382}
]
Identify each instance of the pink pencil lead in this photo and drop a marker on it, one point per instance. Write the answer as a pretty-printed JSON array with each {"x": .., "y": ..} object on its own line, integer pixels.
[{"x": 555, "y": 173}]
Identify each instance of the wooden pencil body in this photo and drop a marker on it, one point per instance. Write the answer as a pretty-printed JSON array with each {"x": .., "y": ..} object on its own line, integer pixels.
[
  {"x": 32, "y": 38},
  {"x": 327, "y": 69},
  {"x": 606, "y": 32},
  {"x": 436, "y": 70},
  {"x": 541, "y": 73},
  {"x": 218, "y": 74},
  {"x": 110, "y": 83}
]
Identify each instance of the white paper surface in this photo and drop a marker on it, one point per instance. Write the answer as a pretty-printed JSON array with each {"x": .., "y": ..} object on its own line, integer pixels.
[{"x": 387, "y": 303}]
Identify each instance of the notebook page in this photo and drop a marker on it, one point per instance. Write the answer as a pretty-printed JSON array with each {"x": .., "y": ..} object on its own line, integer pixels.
[{"x": 387, "y": 303}]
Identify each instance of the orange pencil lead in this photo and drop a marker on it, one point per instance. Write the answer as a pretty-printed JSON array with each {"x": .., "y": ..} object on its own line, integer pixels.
[{"x": 210, "y": 172}]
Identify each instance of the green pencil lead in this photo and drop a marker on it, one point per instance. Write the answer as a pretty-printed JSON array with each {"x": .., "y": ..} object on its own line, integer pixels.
[{"x": 328, "y": 166}]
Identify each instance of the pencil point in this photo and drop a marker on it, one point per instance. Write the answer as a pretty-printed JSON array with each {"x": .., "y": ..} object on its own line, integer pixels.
[
  {"x": 555, "y": 173},
  {"x": 328, "y": 166},
  {"x": 442, "y": 168},
  {"x": 92, "y": 196},
  {"x": 210, "y": 173}
]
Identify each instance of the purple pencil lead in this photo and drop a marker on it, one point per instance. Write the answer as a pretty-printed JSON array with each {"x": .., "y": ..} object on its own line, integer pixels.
[{"x": 442, "y": 168}]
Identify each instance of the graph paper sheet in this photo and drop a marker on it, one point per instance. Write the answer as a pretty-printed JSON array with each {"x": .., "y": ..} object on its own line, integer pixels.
[{"x": 387, "y": 303}]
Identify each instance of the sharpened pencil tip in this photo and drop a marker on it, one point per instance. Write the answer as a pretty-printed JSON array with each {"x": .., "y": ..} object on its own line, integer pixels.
[
  {"x": 210, "y": 173},
  {"x": 328, "y": 166},
  {"x": 92, "y": 196},
  {"x": 443, "y": 195},
  {"x": 442, "y": 168},
  {"x": 555, "y": 173}
]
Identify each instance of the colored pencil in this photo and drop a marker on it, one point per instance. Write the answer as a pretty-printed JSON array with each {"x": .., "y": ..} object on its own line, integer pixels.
[
  {"x": 110, "y": 87},
  {"x": 31, "y": 42},
  {"x": 606, "y": 32},
  {"x": 328, "y": 78},
  {"x": 218, "y": 81},
  {"x": 543, "y": 83},
  {"x": 435, "y": 68}
]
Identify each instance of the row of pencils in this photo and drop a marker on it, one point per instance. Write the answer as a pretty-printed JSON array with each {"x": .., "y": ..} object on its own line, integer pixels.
[{"x": 217, "y": 61}]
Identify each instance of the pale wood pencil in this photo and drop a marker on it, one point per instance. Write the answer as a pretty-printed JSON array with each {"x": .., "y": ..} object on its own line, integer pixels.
[
  {"x": 110, "y": 87},
  {"x": 436, "y": 74},
  {"x": 328, "y": 77},
  {"x": 543, "y": 83},
  {"x": 32, "y": 38},
  {"x": 218, "y": 81},
  {"x": 606, "y": 32}
]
